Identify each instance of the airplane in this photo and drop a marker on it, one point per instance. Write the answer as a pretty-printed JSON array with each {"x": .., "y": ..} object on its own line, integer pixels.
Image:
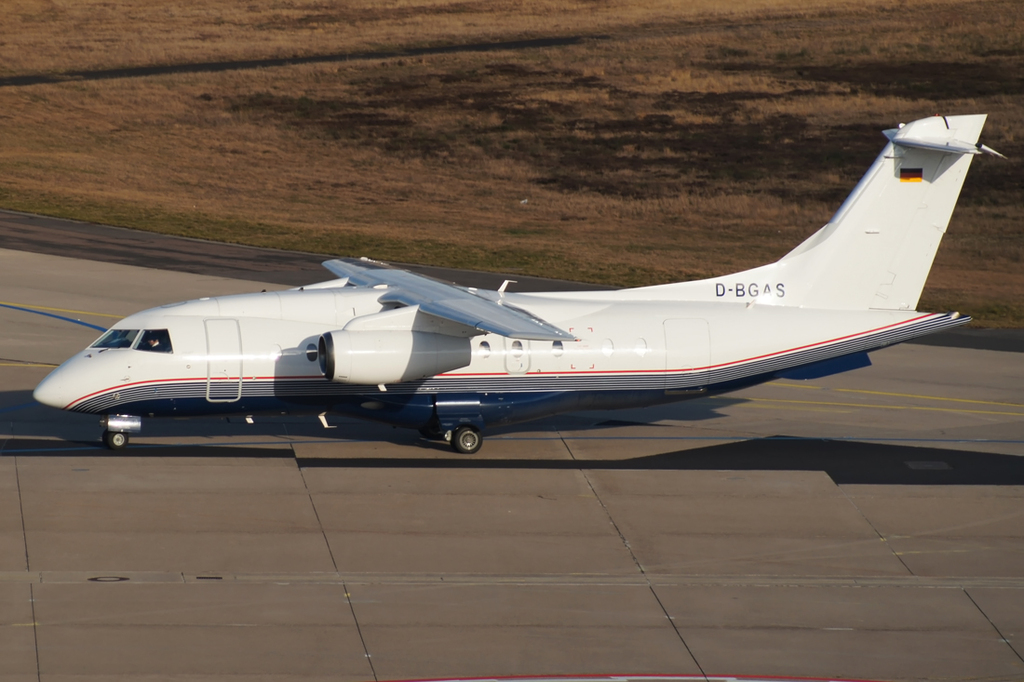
[{"x": 388, "y": 345}]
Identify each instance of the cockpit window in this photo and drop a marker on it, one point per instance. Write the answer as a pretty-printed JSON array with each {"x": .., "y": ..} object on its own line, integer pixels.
[
  {"x": 155, "y": 341},
  {"x": 117, "y": 338}
]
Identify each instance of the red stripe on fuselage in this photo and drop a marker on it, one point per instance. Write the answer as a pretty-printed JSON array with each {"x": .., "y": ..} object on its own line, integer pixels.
[{"x": 569, "y": 372}]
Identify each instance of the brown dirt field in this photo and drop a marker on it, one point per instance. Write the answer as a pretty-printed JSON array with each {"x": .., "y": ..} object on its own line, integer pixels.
[{"x": 619, "y": 142}]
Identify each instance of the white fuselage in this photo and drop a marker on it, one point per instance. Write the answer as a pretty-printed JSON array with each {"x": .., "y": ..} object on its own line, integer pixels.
[{"x": 256, "y": 353}]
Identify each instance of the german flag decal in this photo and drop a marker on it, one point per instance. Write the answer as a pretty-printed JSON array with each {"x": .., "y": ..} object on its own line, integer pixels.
[{"x": 911, "y": 175}]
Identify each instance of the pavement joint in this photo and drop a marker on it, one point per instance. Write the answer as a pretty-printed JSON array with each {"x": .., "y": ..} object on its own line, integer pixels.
[
  {"x": 658, "y": 579},
  {"x": 334, "y": 562},
  {"x": 35, "y": 630},
  {"x": 994, "y": 626},
  {"x": 625, "y": 543},
  {"x": 875, "y": 530},
  {"x": 21, "y": 510}
]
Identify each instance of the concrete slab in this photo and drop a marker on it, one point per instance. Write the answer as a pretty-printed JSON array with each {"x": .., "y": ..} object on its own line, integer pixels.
[
  {"x": 825, "y": 608},
  {"x": 10, "y": 506},
  {"x": 753, "y": 555},
  {"x": 472, "y": 525},
  {"x": 508, "y": 604},
  {"x": 447, "y": 481},
  {"x": 938, "y": 530},
  {"x": 938, "y": 511},
  {"x": 12, "y": 551},
  {"x": 857, "y": 655},
  {"x": 17, "y": 635},
  {"x": 211, "y": 603},
  {"x": 145, "y": 475},
  {"x": 168, "y": 651},
  {"x": 873, "y": 632},
  {"x": 521, "y": 628},
  {"x": 686, "y": 522},
  {"x": 964, "y": 556},
  {"x": 460, "y": 554},
  {"x": 249, "y": 551},
  {"x": 17, "y": 652},
  {"x": 170, "y": 512},
  {"x": 714, "y": 485},
  {"x": 425, "y": 652},
  {"x": 12, "y": 539},
  {"x": 483, "y": 514}
]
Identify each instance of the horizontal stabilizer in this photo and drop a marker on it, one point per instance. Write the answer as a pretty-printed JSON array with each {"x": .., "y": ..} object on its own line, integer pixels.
[{"x": 904, "y": 137}]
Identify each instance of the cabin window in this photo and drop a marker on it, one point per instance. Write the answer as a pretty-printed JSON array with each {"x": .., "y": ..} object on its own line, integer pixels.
[
  {"x": 607, "y": 348},
  {"x": 517, "y": 349},
  {"x": 557, "y": 349},
  {"x": 485, "y": 349},
  {"x": 117, "y": 338},
  {"x": 155, "y": 341}
]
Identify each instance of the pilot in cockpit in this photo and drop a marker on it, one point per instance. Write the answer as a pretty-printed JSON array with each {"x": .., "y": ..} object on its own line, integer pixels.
[{"x": 155, "y": 341}]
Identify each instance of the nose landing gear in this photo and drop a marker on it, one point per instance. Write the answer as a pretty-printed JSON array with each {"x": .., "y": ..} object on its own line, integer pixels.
[
  {"x": 116, "y": 429},
  {"x": 115, "y": 440}
]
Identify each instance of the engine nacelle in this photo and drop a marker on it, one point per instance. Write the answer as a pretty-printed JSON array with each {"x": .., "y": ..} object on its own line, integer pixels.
[{"x": 389, "y": 357}]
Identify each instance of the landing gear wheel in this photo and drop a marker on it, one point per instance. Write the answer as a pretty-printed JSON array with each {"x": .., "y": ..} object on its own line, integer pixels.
[
  {"x": 466, "y": 440},
  {"x": 115, "y": 440}
]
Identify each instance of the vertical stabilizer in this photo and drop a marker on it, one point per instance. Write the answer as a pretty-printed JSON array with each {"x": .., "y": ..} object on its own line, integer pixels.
[{"x": 878, "y": 248}]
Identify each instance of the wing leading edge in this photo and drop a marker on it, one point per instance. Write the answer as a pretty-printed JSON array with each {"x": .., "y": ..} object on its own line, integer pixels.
[{"x": 446, "y": 301}]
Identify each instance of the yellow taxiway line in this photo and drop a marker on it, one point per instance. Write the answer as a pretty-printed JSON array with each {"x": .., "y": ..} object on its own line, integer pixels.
[
  {"x": 903, "y": 395},
  {"x": 26, "y": 364},
  {"x": 921, "y": 408}
]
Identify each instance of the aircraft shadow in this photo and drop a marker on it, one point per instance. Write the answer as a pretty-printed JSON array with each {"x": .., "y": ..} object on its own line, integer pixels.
[
  {"x": 845, "y": 462},
  {"x": 28, "y": 447}
]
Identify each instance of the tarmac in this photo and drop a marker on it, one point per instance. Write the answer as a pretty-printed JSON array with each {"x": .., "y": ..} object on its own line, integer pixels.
[{"x": 868, "y": 525}]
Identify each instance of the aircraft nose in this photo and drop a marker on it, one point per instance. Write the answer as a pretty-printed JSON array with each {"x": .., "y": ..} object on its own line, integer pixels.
[{"x": 53, "y": 391}]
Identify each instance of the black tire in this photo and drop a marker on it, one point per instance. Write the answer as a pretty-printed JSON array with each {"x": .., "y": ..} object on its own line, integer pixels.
[
  {"x": 115, "y": 440},
  {"x": 466, "y": 440}
]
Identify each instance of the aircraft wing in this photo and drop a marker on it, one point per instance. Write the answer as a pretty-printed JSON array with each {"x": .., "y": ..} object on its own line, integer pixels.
[{"x": 446, "y": 301}]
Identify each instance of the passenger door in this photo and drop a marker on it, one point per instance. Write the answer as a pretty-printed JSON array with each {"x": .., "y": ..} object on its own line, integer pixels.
[
  {"x": 687, "y": 355},
  {"x": 223, "y": 361}
]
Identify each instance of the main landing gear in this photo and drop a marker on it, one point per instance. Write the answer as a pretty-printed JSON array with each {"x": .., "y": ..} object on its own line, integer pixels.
[{"x": 464, "y": 439}]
